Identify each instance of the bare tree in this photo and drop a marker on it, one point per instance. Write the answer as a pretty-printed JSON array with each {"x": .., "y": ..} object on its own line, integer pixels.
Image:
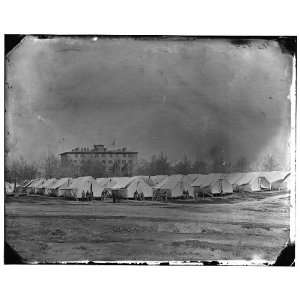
[
  {"x": 19, "y": 170},
  {"x": 220, "y": 163},
  {"x": 143, "y": 168},
  {"x": 200, "y": 167},
  {"x": 183, "y": 167},
  {"x": 160, "y": 165},
  {"x": 270, "y": 164},
  {"x": 51, "y": 166},
  {"x": 69, "y": 170},
  {"x": 242, "y": 165}
]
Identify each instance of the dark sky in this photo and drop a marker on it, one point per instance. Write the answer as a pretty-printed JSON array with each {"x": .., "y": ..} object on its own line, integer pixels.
[{"x": 179, "y": 97}]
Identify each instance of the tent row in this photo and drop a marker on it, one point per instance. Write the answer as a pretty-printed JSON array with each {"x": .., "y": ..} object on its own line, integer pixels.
[
  {"x": 226, "y": 183},
  {"x": 160, "y": 186},
  {"x": 76, "y": 188}
]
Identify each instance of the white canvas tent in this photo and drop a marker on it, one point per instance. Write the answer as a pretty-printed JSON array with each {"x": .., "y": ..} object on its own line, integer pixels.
[
  {"x": 77, "y": 186},
  {"x": 29, "y": 186},
  {"x": 39, "y": 188},
  {"x": 9, "y": 188},
  {"x": 174, "y": 186},
  {"x": 282, "y": 184},
  {"x": 193, "y": 177},
  {"x": 103, "y": 181},
  {"x": 112, "y": 182},
  {"x": 103, "y": 186},
  {"x": 274, "y": 176},
  {"x": 120, "y": 182},
  {"x": 126, "y": 188},
  {"x": 211, "y": 184},
  {"x": 46, "y": 185},
  {"x": 55, "y": 188},
  {"x": 232, "y": 178},
  {"x": 253, "y": 181},
  {"x": 154, "y": 180},
  {"x": 99, "y": 186},
  {"x": 33, "y": 188}
]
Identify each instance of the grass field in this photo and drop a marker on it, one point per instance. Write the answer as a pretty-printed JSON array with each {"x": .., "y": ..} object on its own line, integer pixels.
[{"x": 237, "y": 227}]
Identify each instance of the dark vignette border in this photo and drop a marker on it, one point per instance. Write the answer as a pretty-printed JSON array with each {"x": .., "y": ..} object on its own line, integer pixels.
[{"x": 288, "y": 45}]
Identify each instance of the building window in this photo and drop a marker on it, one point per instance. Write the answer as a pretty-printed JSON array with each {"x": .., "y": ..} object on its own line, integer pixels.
[{"x": 103, "y": 161}]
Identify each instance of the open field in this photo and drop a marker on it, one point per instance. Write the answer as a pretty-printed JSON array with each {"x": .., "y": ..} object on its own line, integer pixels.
[{"x": 240, "y": 227}]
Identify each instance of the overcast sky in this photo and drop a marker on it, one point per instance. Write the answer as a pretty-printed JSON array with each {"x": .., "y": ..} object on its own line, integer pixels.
[{"x": 179, "y": 97}]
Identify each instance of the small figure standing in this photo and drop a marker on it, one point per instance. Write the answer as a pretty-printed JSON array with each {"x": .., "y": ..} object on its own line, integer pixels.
[
  {"x": 141, "y": 196},
  {"x": 83, "y": 195},
  {"x": 92, "y": 196},
  {"x": 165, "y": 196}
]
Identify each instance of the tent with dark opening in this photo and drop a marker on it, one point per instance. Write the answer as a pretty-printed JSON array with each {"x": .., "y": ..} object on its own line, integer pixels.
[
  {"x": 99, "y": 186},
  {"x": 34, "y": 186},
  {"x": 211, "y": 184},
  {"x": 174, "y": 186},
  {"x": 44, "y": 188},
  {"x": 77, "y": 187},
  {"x": 128, "y": 187},
  {"x": 252, "y": 182},
  {"x": 283, "y": 183},
  {"x": 232, "y": 178},
  {"x": 278, "y": 179},
  {"x": 55, "y": 189}
]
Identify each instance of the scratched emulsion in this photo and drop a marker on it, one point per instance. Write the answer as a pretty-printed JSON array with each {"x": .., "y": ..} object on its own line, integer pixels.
[{"x": 175, "y": 96}]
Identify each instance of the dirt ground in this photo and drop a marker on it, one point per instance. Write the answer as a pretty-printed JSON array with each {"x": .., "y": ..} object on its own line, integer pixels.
[{"x": 237, "y": 227}]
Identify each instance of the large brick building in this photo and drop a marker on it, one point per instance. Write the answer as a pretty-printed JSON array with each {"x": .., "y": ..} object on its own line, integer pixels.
[{"x": 115, "y": 161}]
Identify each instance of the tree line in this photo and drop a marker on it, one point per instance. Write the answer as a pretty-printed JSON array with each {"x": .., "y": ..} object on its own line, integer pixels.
[
  {"x": 50, "y": 167},
  {"x": 159, "y": 164}
]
